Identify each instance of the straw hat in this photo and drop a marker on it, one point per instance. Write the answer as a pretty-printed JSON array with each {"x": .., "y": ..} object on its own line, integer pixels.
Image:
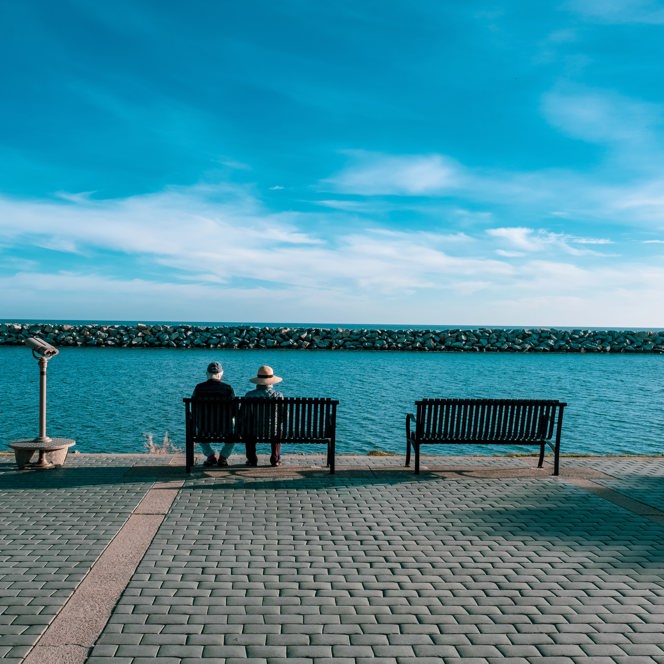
[{"x": 265, "y": 376}]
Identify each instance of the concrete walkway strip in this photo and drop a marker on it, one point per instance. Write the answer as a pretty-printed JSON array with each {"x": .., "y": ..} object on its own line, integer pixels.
[{"x": 71, "y": 635}]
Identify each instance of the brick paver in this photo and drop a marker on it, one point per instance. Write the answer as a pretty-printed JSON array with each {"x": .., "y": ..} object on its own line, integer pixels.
[
  {"x": 469, "y": 562},
  {"x": 53, "y": 526}
]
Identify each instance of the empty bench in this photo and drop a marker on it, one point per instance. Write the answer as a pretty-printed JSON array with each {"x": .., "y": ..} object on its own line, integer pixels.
[
  {"x": 288, "y": 420},
  {"x": 485, "y": 422}
]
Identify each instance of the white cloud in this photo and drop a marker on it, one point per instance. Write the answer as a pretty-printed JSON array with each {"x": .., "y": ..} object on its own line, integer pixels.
[
  {"x": 578, "y": 198},
  {"x": 534, "y": 293},
  {"x": 78, "y": 197},
  {"x": 509, "y": 254},
  {"x": 622, "y": 190},
  {"x": 604, "y": 117},
  {"x": 57, "y": 244},
  {"x": 412, "y": 175},
  {"x": 235, "y": 239},
  {"x": 521, "y": 238},
  {"x": 348, "y": 206},
  {"x": 202, "y": 249},
  {"x": 553, "y": 293},
  {"x": 643, "y": 201},
  {"x": 537, "y": 240},
  {"x": 234, "y": 165},
  {"x": 590, "y": 240},
  {"x": 620, "y": 11},
  {"x": 66, "y": 295},
  {"x": 177, "y": 227}
]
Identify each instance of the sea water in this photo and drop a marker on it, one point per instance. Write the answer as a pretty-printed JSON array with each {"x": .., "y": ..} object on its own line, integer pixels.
[{"x": 110, "y": 399}]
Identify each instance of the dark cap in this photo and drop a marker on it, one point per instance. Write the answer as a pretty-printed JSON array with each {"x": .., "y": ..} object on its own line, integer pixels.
[{"x": 214, "y": 368}]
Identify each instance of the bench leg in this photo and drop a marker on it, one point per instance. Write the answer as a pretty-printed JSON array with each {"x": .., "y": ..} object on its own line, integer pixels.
[
  {"x": 188, "y": 456},
  {"x": 330, "y": 457},
  {"x": 407, "y": 452},
  {"x": 556, "y": 458},
  {"x": 417, "y": 458}
]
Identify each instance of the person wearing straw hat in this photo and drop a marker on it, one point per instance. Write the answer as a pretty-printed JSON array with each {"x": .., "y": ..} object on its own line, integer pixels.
[
  {"x": 265, "y": 380},
  {"x": 214, "y": 387}
]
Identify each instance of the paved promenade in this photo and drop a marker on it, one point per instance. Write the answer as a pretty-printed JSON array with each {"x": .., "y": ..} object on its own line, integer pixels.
[{"x": 122, "y": 559}]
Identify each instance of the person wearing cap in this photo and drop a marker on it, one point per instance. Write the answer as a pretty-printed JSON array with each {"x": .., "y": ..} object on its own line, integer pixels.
[
  {"x": 214, "y": 387},
  {"x": 264, "y": 381}
]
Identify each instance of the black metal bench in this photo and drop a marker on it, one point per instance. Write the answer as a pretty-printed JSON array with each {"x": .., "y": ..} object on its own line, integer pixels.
[
  {"x": 486, "y": 422},
  {"x": 287, "y": 420}
]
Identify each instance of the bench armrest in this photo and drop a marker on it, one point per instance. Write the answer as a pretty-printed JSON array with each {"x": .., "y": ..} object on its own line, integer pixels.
[{"x": 409, "y": 418}]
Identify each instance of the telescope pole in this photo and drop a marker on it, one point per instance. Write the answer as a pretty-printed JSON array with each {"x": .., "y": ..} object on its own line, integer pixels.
[{"x": 43, "y": 438}]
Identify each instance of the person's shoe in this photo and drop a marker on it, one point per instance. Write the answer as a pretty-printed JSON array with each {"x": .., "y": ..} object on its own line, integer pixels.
[
  {"x": 275, "y": 463},
  {"x": 210, "y": 461},
  {"x": 253, "y": 464},
  {"x": 223, "y": 462}
]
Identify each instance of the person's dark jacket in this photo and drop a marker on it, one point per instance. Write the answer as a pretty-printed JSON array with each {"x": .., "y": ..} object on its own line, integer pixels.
[
  {"x": 212, "y": 388},
  {"x": 215, "y": 388}
]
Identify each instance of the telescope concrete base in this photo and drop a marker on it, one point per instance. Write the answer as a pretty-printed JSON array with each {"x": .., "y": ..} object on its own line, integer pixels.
[{"x": 51, "y": 454}]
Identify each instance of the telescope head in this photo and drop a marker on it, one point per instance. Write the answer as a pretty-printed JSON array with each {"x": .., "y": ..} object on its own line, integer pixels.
[{"x": 41, "y": 348}]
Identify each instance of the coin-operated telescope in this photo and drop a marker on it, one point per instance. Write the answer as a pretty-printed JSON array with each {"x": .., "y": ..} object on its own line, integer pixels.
[
  {"x": 52, "y": 451},
  {"x": 42, "y": 352},
  {"x": 40, "y": 349}
]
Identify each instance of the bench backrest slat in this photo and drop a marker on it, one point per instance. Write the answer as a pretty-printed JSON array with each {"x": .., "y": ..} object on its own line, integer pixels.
[
  {"x": 262, "y": 418},
  {"x": 206, "y": 421},
  {"x": 311, "y": 419},
  {"x": 487, "y": 420}
]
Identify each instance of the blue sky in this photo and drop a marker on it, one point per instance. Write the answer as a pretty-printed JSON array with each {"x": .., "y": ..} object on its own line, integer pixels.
[{"x": 422, "y": 162}]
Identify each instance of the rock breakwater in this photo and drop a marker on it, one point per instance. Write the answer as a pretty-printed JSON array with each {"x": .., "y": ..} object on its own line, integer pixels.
[{"x": 521, "y": 340}]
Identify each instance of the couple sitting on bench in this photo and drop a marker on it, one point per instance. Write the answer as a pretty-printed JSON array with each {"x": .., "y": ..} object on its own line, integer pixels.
[{"x": 214, "y": 386}]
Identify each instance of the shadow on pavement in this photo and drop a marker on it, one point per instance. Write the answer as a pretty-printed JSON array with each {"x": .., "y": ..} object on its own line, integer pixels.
[
  {"x": 84, "y": 476},
  {"x": 567, "y": 521},
  {"x": 303, "y": 479}
]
